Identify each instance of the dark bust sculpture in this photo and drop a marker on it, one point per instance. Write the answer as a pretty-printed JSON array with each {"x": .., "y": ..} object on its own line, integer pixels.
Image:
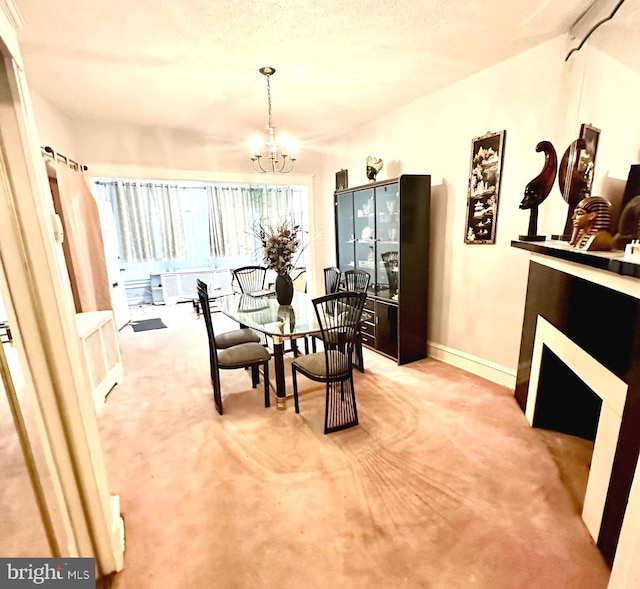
[
  {"x": 591, "y": 224},
  {"x": 374, "y": 165},
  {"x": 629, "y": 224}
]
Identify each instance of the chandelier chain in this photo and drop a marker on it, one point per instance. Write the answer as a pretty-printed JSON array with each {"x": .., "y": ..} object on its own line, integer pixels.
[{"x": 269, "y": 99}]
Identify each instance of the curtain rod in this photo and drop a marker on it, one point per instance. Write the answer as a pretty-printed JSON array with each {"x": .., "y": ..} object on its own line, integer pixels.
[
  {"x": 69, "y": 162},
  {"x": 191, "y": 184},
  {"x": 140, "y": 183}
]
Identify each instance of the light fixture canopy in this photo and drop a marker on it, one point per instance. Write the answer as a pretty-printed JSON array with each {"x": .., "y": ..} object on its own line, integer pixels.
[{"x": 280, "y": 157}]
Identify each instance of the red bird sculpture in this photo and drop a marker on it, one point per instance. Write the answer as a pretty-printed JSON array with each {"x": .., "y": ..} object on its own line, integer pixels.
[{"x": 539, "y": 188}]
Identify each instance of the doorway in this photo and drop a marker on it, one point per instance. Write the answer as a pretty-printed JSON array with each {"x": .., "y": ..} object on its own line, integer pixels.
[{"x": 49, "y": 403}]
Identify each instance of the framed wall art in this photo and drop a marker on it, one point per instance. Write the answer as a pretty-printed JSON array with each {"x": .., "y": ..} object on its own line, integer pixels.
[
  {"x": 484, "y": 188},
  {"x": 587, "y": 163},
  {"x": 342, "y": 179}
]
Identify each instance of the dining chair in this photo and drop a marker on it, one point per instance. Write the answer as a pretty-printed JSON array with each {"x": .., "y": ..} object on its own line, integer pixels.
[
  {"x": 390, "y": 261},
  {"x": 250, "y": 278},
  {"x": 339, "y": 316},
  {"x": 357, "y": 281},
  {"x": 233, "y": 337},
  {"x": 331, "y": 279},
  {"x": 245, "y": 355},
  {"x": 299, "y": 279},
  {"x": 331, "y": 284}
]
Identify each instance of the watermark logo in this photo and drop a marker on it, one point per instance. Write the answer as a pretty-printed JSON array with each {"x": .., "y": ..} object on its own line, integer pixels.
[{"x": 59, "y": 573}]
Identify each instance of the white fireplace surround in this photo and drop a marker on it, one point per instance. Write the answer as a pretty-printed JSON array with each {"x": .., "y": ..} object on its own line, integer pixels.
[
  {"x": 611, "y": 390},
  {"x": 625, "y": 573}
]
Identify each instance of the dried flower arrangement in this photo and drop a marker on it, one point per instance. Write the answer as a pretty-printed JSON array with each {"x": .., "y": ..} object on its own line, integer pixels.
[{"x": 279, "y": 244}]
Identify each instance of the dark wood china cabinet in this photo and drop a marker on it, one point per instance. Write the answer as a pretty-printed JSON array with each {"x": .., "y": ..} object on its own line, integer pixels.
[{"x": 383, "y": 229}]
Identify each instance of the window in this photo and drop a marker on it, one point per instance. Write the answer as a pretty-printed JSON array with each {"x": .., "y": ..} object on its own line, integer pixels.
[{"x": 164, "y": 227}]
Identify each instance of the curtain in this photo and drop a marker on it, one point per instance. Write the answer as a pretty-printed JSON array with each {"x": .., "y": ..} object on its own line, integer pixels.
[
  {"x": 134, "y": 222},
  {"x": 169, "y": 218},
  {"x": 247, "y": 207},
  {"x": 83, "y": 246},
  {"x": 150, "y": 223},
  {"x": 162, "y": 225}
]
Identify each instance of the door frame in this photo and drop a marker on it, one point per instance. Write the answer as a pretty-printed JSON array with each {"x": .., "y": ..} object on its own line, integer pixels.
[{"x": 38, "y": 297}]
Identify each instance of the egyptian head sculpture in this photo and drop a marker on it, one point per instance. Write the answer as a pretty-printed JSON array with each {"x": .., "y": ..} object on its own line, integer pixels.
[{"x": 591, "y": 224}]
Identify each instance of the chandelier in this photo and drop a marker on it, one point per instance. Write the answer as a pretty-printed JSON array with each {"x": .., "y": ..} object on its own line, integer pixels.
[{"x": 280, "y": 157}]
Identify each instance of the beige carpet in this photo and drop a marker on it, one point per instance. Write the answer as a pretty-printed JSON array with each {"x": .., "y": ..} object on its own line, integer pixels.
[{"x": 442, "y": 485}]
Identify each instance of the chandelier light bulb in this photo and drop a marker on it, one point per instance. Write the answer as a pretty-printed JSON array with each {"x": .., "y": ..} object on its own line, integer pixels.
[
  {"x": 293, "y": 149},
  {"x": 255, "y": 146},
  {"x": 284, "y": 145}
]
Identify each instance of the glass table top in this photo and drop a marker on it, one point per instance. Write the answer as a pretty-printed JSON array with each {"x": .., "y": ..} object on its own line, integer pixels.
[{"x": 265, "y": 314}]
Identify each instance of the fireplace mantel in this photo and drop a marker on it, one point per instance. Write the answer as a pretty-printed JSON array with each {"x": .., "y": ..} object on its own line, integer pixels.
[
  {"x": 612, "y": 262},
  {"x": 582, "y": 317}
]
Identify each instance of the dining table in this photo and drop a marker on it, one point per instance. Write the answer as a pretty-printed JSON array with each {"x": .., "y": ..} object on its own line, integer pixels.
[{"x": 279, "y": 322}]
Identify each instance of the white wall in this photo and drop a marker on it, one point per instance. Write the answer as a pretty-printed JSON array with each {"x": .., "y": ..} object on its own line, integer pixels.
[
  {"x": 125, "y": 151},
  {"x": 113, "y": 144},
  {"x": 606, "y": 94},
  {"x": 477, "y": 292},
  {"x": 55, "y": 129},
  {"x": 610, "y": 98}
]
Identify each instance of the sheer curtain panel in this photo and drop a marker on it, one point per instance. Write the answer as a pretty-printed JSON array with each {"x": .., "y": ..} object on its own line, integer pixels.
[
  {"x": 236, "y": 212},
  {"x": 150, "y": 221}
]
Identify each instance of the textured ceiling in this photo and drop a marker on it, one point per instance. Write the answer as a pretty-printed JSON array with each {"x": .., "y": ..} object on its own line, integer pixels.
[{"x": 191, "y": 65}]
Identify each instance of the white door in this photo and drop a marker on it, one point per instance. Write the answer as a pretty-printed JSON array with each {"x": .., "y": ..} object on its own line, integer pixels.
[
  {"x": 39, "y": 303},
  {"x": 112, "y": 258},
  {"x": 32, "y": 523}
]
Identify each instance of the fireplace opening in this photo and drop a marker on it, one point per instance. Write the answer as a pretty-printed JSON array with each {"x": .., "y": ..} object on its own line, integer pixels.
[
  {"x": 568, "y": 404},
  {"x": 566, "y": 418},
  {"x": 571, "y": 392}
]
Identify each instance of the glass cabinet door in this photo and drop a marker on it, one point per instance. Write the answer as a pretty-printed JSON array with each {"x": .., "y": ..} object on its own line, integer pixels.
[
  {"x": 365, "y": 233},
  {"x": 388, "y": 241},
  {"x": 344, "y": 231},
  {"x": 387, "y": 328}
]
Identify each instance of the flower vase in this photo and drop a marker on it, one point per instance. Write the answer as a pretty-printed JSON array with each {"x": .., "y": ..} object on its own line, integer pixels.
[{"x": 284, "y": 289}]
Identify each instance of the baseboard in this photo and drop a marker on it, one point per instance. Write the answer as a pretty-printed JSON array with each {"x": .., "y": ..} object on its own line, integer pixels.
[{"x": 478, "y": 366}]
